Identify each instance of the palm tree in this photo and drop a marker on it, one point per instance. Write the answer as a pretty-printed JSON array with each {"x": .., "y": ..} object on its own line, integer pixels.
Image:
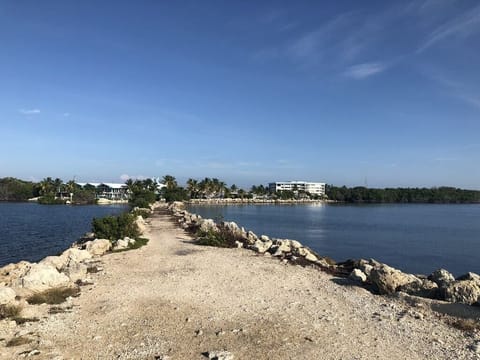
[
  {"x": 192, "y": 188},
  {"x": 170, "y": 182},
  {"x": 47, "y": 186}
]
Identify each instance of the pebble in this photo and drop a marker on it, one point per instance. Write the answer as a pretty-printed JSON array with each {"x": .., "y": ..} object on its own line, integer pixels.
[
  {"x": 220, "y": 355},
  {"x": 199, "y": 332}
]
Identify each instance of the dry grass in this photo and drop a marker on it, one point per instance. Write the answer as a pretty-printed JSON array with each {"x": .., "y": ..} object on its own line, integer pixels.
[
  {"x": 10, "y": 311},
  {"x": 23, "y": 320},
  {"x": 17, "y": 341},
  {"x": 53, "y": 296},
  {"x": 469, "y": 325}
]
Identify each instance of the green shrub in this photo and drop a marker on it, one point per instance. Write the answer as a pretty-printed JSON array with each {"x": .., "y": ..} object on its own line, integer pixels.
[
  {"x": 144, "y": 213},
  {"x": 142, "y": 198},
  {"x": 116, "y": 227},
  {"x": 220, "y": 238},
  {"x": 50, "y": 200}
]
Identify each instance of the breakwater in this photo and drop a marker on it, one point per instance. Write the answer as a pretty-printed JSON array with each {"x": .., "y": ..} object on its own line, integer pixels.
[{"x": 378, "y": 276}]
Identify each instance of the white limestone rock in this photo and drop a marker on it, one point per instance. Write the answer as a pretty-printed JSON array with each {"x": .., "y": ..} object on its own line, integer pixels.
[
  {"x": 42, "y": 277},
  {"x": 388, "y": 279},
  {"x": 98, "y": 247},
  {"x": 7, "y": 295},
  {"x": 358, "y": 275}
]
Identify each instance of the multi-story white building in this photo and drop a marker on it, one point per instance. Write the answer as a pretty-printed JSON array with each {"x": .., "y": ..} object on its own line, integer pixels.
[{"x": 314, "y": 188}]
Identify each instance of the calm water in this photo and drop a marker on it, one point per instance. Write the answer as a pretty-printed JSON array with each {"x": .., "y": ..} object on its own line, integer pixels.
[
  {"x": 415, "y": 238},
  {"x": 29, "y": 231}
]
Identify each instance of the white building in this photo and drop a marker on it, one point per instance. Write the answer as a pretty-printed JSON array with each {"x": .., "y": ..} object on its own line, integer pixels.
[{"x": 314, "y": 188}]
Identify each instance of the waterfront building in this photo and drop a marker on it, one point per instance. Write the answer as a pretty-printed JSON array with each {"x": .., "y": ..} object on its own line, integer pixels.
[
  {"x": 109, "y": 191},
  {"x": 314, "y": 188}
]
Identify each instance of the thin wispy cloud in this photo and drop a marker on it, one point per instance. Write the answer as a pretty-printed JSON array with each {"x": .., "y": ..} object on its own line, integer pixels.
[
  {"x": 463, "y": 25},
  {"x": 29, "y": 111},
  {"x": 363, "y": 71},
  {"x": 66, "y": 114},
  {"x": 457, "y": 89}
]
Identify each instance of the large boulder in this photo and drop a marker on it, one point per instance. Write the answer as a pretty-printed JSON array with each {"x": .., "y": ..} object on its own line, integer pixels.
[
  {"x": 423, "y": 288},
  {"x": 98, "y": 247},
  {"x": 141, "y": 224},
  {"x": 7, "y": 295},
  {"x": 207, "y": 225},
  {"x": 387, "y": 279},
  {"x": 441, "y": 277},
  {"x": 42, "y": 277},
  {"x": 77, "y": 255},
  {"x": 75, "y": 270},
  {"x": 306, "y": 253},
  {"x": 57, "y": 262},
  {"x": 358, "y": 275},
  {"x": 463, "y": 291},
  {"x": 261, "y": 247},
  {"x": 11, "y": 272}
]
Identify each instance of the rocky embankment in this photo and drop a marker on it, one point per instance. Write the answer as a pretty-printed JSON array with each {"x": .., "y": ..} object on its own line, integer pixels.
[
  {"x": 20, "y": 281},
  {"x": 229, "y": 201},
  {"x": 379, "y": 277}
]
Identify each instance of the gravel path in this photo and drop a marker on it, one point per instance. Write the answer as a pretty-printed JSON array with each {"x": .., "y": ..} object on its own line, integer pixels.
[{"x": 174, "y": 300}]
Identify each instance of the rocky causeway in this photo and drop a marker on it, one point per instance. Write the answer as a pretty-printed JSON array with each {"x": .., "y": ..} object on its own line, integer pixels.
[{"x": 173, "y": 299}]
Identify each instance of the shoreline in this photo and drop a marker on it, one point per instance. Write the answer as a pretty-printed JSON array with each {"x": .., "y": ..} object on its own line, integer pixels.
[
  {"x": 379, "y": 277},
  {"x": 166, "y": 300}
]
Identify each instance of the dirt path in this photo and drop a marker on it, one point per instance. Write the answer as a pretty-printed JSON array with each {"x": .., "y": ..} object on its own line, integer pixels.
[{"x": 173, "y": 299}]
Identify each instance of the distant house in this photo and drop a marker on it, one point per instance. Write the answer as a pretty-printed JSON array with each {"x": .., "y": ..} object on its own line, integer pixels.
[{"x": 109, "y": 191}]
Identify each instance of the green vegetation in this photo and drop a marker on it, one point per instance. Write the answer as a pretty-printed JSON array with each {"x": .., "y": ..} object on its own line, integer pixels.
[
  {"x": 136, "y": 245},
  {"x": 142, "y": 193},
  {"x": 172, "y": 192},
  {"x": 221, "y": 238},
  {"x": 12, "y": 189},
  {"x": 402, "y": 195},
  {"x": 116, "y": 227},
  {"x": 53, "y": 296}
]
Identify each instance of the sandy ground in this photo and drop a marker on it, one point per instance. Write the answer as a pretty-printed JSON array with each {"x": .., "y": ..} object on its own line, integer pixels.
[{"x": 175, "y": 300}]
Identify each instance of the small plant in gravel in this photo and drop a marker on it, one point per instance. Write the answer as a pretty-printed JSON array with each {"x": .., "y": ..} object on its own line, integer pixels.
[
  {"x": 9, "y": 311},
  {"x": 469, "y": 325},
  {"x": 53, "y": 296},
  {"x": 23, "y": 320},
  {"x": 17, "y": 341}
]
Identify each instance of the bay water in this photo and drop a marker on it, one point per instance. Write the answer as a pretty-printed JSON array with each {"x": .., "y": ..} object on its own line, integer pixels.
[
  {"x": 29, "y": 231},
  {"x": 416, "y": 238}
]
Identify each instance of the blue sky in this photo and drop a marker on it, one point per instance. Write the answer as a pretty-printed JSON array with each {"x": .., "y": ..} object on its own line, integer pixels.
[{"x": 346, "y": 92}]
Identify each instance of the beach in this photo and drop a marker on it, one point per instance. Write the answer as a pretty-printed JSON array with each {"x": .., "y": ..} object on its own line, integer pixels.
[{"x": 172, "y": 299}]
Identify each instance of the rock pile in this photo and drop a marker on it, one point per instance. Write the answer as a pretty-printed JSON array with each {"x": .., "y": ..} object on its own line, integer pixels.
[
  {"x": 381, "y": 278},
  {"x": 72, "y": 267}
]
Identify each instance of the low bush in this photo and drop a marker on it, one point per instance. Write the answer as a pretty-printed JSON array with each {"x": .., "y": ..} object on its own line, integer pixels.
[
  {"x": 50, "y": 200},
  {"x": 136, "y": 245},
  {"x": 116, "y": 227},
  {"x": 53, "y": 296},
  {"x": 220, "y": 238},
  {"x": 144, "y": 213}
]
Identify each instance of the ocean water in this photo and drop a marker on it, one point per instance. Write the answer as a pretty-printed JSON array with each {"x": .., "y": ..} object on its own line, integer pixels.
[
  {"x": 416, "y": 238},
  {"x": 29, "y": 231}
]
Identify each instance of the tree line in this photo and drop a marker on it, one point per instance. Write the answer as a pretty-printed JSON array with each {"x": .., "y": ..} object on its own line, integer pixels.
[
  {"x": 143, "y": 192},
  {"x": 360, "y": 194}
]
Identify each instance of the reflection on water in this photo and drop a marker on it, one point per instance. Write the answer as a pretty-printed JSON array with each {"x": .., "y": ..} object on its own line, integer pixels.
[{"x": 417, "y": 238}]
